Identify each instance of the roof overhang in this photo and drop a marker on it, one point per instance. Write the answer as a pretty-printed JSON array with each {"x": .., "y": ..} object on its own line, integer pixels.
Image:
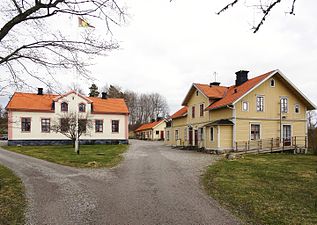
[
  {"x": 72, "y": 92},
  {"x": 191, "y": 92},
  {"x": 222, "y": 122}
]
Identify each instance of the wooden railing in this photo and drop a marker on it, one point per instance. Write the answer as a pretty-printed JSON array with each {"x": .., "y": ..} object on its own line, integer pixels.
[{"x": 272, "y": 144}]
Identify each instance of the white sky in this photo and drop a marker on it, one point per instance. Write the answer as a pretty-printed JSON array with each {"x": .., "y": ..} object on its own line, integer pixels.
[{"x": 166, "y": 46}]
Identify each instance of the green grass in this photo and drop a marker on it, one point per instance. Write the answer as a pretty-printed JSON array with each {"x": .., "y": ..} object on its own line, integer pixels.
[
  {"x": 91, "y": 156},
  {"x": 267, "y": 189},
  {"x": 12, "y": 199}
]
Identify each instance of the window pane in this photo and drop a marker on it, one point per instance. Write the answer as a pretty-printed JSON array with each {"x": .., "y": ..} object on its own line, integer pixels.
[
  {"x": 82, "y": 107},
  {"x": 284, "y": 105},
  {"x": 64, "y": 107},
  {"x": 45, "y": 125},
  {"x": 99, "y": 126},
  {"x": 255, "y": 132},
  {"x": 260, "y": 103},
  {"x": 202, "y": 110},
  {"x": 26, "y": 124},
  {"x": 115, "y": 126}
]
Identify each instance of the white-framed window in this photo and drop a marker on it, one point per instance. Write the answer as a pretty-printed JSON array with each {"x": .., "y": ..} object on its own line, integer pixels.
[
  {"x": 82, "y": 107},
  {"x": 272, "y": 83},
  {"x": 284, "y": 104},
  {"x": 245, "y": 106},
  {"x": 176, "y": 135},
  {"x": 260, "y": 103},
  {"x": 115, "y": 126},
  {"x": 297, "y": 108},
  {"x": 193, "y": 111},
  {"x": 185, "y": 134},
  {"x": 45, "y": 125},
  {"x": 64, "y": 107},
  {"x": 201, "y": 110},
  {"x": 26, "y": 124},
  {"x": 212, "y": 137},
  {"x": 255, "y": 132},
  {"x": 98, "y": 126},
  {"x": 168, "y": 135}
]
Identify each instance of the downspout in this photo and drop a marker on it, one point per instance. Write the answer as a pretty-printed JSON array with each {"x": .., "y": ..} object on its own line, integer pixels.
[{"x": 281, "y": 120}]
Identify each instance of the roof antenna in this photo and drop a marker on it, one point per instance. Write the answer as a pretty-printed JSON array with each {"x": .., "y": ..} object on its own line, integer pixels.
[{"x": 215, "y": 83}]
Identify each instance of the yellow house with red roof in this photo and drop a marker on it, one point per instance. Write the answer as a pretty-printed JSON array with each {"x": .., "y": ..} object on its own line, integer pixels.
[
  {"x": 266, "y": 110},
  {"x": 153, "y": 131},
  {"x": 31, "y": 115}
]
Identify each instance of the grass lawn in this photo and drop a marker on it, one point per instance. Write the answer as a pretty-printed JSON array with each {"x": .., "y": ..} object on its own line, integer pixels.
[
  {"x": 12, "y": 199},
  {"x": 267, "y": 189},
  {"x": 91, "y": 156}
]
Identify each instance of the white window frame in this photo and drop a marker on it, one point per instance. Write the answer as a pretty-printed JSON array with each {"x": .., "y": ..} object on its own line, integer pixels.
[
  {"x": 176, "y": 135},
  {"x": 250, "y": 135},
  {"x": 167, "y": 135},
  {"x": 185, "y": 134},
  {"x": 297, "y": 106},
  {"x": 256, "y": 103},
  {"x": 247, "y": 103},
  {"x": 201, "y": 110},
  {"x": 287, "y": 104},
  {"x": 271, "y": 83}
]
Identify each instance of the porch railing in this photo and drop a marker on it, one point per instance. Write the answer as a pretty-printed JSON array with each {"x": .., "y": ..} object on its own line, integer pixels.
[{"x": 272, "y": 144}]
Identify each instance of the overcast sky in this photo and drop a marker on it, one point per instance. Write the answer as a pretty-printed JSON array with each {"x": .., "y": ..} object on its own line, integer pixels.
[{"x": 167, "y": 46}]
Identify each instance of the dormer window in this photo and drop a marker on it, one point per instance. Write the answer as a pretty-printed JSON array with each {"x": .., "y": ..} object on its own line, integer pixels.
[
  {"x": 64, "y": 107},
  {"x": 272, "y": 83},
  {"x": 197, "y": 93},
  {"x": 82, "y": 107}
]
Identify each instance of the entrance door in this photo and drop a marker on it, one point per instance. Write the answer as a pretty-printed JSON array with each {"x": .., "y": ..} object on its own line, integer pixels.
[
  {"x": 196, "y": 137},
  {"x": 162, "y": 135},
  {"x": 190, "y": 136},
  {"x": 287, "y": 135}
]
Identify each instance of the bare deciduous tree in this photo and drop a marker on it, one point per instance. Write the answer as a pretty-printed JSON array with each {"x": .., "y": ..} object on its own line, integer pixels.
[
  {"x": 142, "y": 107},
  {"x": 28, "y": 44},
  {"x": 264, "y": 7},
  {"x": 312, "y": 130},
  {"x": 66, "y": 125}
]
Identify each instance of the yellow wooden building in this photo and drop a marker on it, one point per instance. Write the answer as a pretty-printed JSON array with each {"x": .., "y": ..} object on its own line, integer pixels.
[{"x": 265, "y": 111}]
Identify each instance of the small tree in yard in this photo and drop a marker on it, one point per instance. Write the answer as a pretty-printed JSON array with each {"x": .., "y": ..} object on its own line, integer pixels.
[{"x": 66, "y": 125}]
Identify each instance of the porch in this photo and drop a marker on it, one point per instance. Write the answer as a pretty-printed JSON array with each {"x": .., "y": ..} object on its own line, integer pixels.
[{"x": 296, "y": 144}]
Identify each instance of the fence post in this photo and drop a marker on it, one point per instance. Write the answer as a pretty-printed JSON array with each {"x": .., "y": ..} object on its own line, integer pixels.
[
  {"x": 236, "y": 146},
  {"x": 246, "y": 146},
  {"x": 283, "y": 141},
  {"x": 272, "y": 143}
]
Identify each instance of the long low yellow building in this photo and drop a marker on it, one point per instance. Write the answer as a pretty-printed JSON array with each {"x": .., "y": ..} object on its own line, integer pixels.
[{"x": 263, "y": 109}]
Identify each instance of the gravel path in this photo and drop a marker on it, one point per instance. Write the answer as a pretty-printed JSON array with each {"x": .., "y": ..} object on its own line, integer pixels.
[{"x": 153, "y": 185}]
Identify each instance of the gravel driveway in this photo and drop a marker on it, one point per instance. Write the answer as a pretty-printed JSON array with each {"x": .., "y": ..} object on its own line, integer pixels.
[{"x": 153, "y": 185}]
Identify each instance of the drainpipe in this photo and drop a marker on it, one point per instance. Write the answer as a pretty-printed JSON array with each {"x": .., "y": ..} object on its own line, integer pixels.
[{"x": 281, "y": 141}]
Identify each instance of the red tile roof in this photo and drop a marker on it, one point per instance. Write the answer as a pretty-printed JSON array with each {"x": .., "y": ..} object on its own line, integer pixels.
[
  {"x": 212, "y": 91},
  {"x": 43, "y": 103},
  {"x": 235, "y": 92},
  {"x": 31, "y": 102},
  {"x": 148, "y": 126},
  {"x": 180, "y": 113},
  {"x": 109, "y": 105}
]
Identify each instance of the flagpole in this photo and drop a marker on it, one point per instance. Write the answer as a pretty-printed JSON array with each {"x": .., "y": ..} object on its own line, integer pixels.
[
  {"x": 76, "y": 105},
  {"x": 80, "y": 23}
]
